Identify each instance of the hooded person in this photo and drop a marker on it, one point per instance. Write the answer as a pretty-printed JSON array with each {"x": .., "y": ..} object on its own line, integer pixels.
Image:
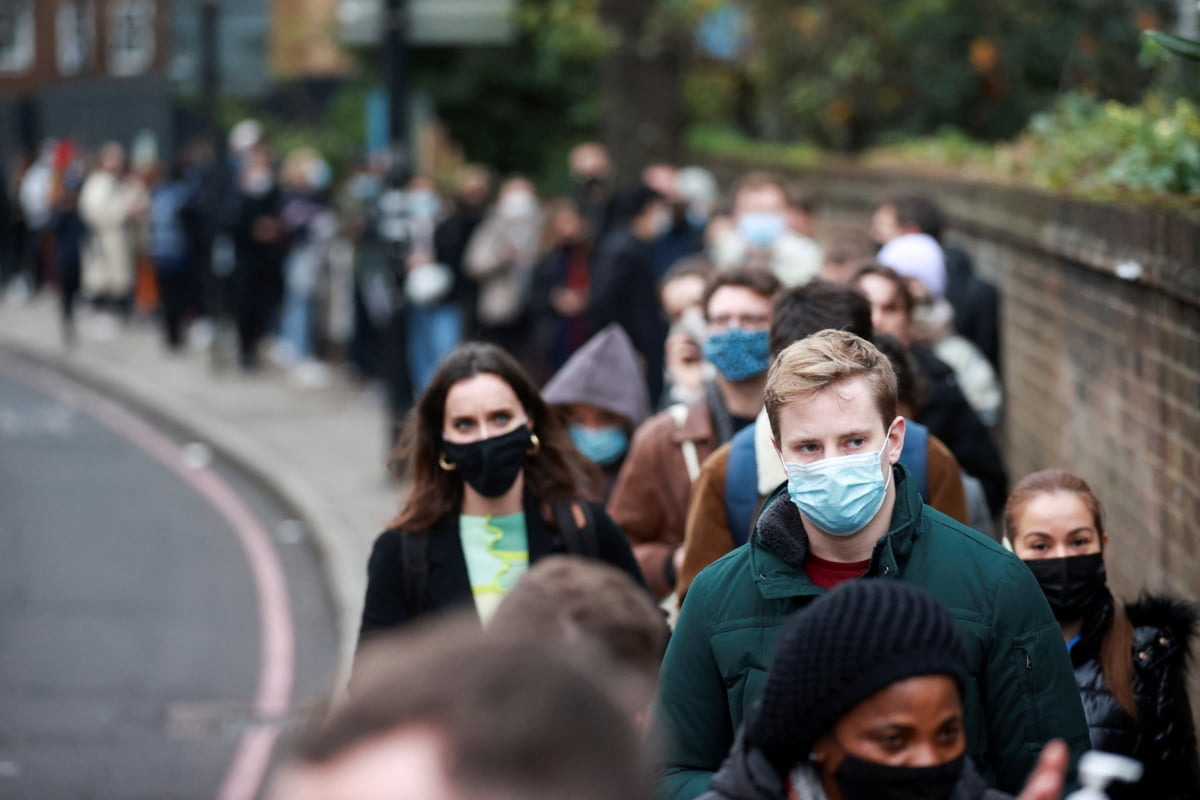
[{"x": 601, "y": 391}]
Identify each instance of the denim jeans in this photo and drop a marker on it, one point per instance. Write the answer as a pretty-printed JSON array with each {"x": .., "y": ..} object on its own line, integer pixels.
[{"x": 433, "y": 331}]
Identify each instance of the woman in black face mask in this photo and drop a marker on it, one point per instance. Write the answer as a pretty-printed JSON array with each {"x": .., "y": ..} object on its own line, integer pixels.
[
  {"x": 1130, "y": 660},
  {"x": 495, "y": 484},
  {"x": 863, "y": 701}
]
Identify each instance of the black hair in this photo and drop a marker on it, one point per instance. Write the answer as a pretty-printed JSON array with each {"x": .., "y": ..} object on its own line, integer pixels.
[{"x": 803, "y": 310}]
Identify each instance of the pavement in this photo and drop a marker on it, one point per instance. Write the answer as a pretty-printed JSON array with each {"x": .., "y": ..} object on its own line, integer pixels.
[{"x": 319, "y": 450}]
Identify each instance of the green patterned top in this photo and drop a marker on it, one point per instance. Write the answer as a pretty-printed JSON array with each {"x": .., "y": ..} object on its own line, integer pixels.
[{"x": 497, "y": 554}]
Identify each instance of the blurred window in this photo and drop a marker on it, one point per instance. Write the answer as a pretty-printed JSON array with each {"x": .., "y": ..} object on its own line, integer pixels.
[
  {"x": 16, "y": 35},
  {"x": 130, "y": 37},
  {"x": 76, "y": 35}
]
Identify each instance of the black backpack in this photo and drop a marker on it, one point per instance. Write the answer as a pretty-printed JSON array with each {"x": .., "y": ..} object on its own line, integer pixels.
[{"x": 576, "y": 535}]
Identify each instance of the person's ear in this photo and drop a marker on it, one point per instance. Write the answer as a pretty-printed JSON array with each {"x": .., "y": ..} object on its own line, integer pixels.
[{"x": 895, "y": 439}]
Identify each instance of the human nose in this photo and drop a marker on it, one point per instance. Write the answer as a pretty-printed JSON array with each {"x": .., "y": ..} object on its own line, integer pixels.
[{"x": 924, "y": 755}]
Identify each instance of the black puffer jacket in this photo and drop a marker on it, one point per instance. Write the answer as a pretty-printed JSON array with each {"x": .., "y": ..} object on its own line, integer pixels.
[{"x": 1163, "y": 737}]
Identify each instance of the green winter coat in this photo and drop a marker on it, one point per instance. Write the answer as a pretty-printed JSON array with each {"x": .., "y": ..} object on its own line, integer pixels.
[{"x": 1022, "y": 691}]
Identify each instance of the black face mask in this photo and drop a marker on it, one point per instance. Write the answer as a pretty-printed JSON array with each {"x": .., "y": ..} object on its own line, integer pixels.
[
  {"x": 1074, "y": 586},
  {"x": 490, "y": 466},
  {"x": 866, "y": 780}
]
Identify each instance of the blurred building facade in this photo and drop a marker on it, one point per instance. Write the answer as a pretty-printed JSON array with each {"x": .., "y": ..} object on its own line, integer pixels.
[{"x": 90, "y": 69}]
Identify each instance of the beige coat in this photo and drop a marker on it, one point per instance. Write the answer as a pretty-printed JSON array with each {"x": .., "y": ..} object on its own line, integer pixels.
[{"x": 108, "y": 205}]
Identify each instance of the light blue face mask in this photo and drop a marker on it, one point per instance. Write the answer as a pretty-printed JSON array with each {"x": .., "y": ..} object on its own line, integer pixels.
[
  {"x": 604, "y": 446},
  {"x": 739, "y": 354},
  {"x": 761, "y": 228},
  {"x": 840, "y": 495}
]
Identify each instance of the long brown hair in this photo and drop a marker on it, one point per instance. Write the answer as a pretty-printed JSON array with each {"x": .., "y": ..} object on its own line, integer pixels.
[
  {"x": 1116, "y": 648},
  {"x": 556, "y": 472}
]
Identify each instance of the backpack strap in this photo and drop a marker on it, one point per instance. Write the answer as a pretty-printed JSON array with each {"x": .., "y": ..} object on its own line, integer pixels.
[
  {"x": 741, "y": 485},
  {"x": 414, "y": 551},
  {"x": 691, "y": 457},
  {"x": 915, "y": 455},
  {"x": 577, "y": 527}
]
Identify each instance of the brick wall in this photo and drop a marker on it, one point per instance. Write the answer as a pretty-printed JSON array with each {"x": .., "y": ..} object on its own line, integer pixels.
[{"x": 1101, "y": 374}]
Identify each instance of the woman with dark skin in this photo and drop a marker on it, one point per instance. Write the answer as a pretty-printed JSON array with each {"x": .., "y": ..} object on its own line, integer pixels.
[
  {"x": 1131, "y": 660},
  {"x": 495, "y": 485},
  {"x": 863, "y": 701}
]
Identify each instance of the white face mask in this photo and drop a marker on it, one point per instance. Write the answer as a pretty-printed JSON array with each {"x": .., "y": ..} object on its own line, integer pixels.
[{"x": 517, "y": 204}]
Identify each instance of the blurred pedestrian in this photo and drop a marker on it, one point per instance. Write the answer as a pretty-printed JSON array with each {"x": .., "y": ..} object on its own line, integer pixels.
[
  {"x": 850, "y": 511},
  {"x": 108, "y": 203},
  {"x": 309, "y": 225},
  {"x": 870, "y": 656},
  {"x": 170, "y": 249},
  {"x": 446, "y": 713},
  {"x": 592, "y": 178},
  {"x": 70, "y": 239},
  {"x": 976, "y": 302},
  {"x": 681, "y": 295},
  {"x": 946, "y": 411},
  {"x": 561, "y": 287},
  {"x": 650, "y": 499},
  {"x": 501, "y": 258},
  {"x": 847, "y": 250},
  {"x": 433, "y": 317},
  {"x": 683, "y": 236},
  {"x": 36, "y": 200},
  {"x": 1131, "y": 659},
  {"x": 259, "y": 246},
  {"x": 495, "y": 485},
  {"x": 598, "y": 613},
  {"x": 760, "y": 236},
  {"x": 601, "y": 393},
  {"x": 623, "y": 288},
  {"x": 473, "y": 190},
  {"x": 919, "y": 259}
]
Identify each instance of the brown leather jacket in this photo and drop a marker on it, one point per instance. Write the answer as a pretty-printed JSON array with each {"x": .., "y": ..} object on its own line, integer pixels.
[{"x": 650, "y": 499}]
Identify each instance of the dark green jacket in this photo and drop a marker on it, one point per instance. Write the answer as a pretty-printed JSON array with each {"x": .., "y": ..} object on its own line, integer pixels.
[{"x": 1022, "y": 691}]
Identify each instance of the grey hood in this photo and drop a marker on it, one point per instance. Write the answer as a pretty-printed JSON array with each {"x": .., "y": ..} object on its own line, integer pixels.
[{"x": 604, "y": 373}]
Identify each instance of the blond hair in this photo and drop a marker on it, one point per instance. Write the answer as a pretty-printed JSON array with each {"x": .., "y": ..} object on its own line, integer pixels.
[{"x": 825, "y": 359}]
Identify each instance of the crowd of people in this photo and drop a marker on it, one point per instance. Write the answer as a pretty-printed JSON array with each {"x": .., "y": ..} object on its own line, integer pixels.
[{"x": 696, "y": 483}]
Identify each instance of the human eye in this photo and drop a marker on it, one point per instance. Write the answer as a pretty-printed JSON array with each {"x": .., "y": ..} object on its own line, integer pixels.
[
  {"x": 856, "y": 442},
  {"x": 949, "y": 733},
  {"x": 809, "y": 448},
  {"x": 892, "y": 741},
  {"x": 463, "y": 424}
]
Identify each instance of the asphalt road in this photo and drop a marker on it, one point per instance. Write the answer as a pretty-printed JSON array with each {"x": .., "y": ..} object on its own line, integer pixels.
[{"x": 160, "y": 617}]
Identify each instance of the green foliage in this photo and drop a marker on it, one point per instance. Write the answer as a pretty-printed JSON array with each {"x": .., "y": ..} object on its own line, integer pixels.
[
  {"x": 1083, "y": 145},
  {"x": 519, "y": 108},
  {"x": 1184, "y": 48},
  {"x": 849, "y": 74},
  {"x": 730, "y": 145}
]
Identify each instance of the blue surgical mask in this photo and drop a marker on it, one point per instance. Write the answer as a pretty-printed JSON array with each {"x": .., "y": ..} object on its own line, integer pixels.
[
  {"x": 761, "y": 228},
  {"x": 739, "y": 354},
  {"x": 604, "y": 446},
  {"x": 840, "y": 495}
]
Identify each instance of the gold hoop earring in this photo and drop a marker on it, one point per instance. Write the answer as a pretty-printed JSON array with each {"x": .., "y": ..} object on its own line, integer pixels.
[
  {"x": 536, "y": 445},
  {"x": 449, "y": 466}
]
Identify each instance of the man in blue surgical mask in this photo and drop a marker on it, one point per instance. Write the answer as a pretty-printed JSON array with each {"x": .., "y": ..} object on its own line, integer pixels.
[
  {"x": 850, "y": 511},
  {"x": 761, "y": 235}
]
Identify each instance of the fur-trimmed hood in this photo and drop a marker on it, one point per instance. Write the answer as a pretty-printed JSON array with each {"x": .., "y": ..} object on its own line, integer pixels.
[{"x": 1164, "y": 628}]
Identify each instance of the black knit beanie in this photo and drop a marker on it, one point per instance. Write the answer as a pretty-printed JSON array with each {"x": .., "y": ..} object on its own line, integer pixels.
[{"x": 847, "y": 645}]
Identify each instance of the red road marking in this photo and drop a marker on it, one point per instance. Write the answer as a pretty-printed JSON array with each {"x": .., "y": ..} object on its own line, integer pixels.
[{"x": 277, "y": 658}]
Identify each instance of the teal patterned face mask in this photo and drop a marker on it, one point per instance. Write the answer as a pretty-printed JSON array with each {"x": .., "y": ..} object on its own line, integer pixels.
[{"x": 739, "y": 354}]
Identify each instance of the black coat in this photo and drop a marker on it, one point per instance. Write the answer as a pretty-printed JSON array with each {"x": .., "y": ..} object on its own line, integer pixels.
[
  {"x": 624, "y": 291},
  {"x": 1163, "y": 737},
  {"x": 950, "y": 417},
  {"x": 976, "y": 304},
  {"x": 747, "y": 774},
  {"x": 447, "y": 584}
]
